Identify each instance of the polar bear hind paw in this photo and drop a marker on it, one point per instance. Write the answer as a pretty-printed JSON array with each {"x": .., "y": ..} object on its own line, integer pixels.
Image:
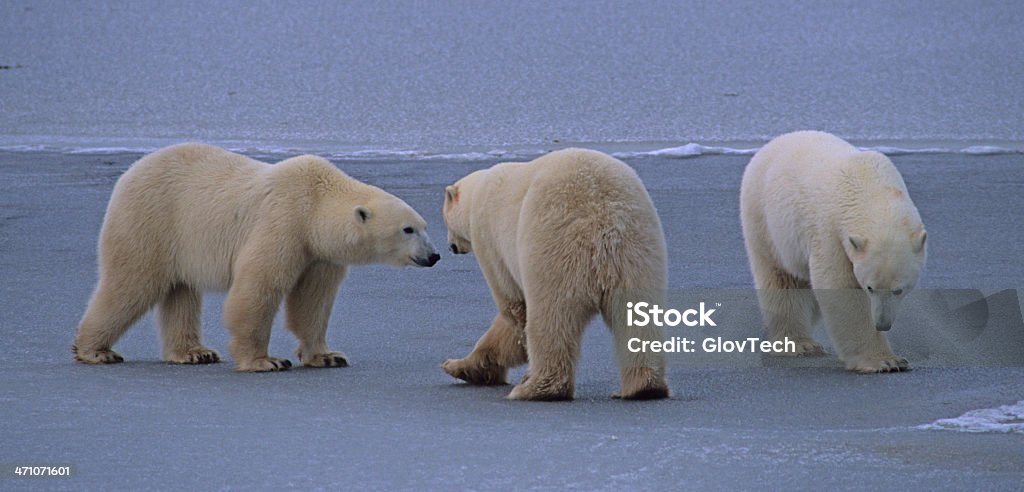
[
  {"x": 653, "y": 393},
  {"x": 474, "y": 372},
  {"x": 104, "y": 356},
  {"x": 530, "y": 390},
  {"x": 643, "y": 383}
]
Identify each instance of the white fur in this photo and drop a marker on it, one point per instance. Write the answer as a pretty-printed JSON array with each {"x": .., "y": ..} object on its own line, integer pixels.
[
  {"x": 818, "y": 213},
  {"x": 191, "y": 218},
  {"x": 558, "y": 240}
]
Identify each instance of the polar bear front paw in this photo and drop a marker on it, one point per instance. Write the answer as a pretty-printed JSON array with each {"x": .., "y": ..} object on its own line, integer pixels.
[
  {"x": 881, "y": 364},
  {"x": 105, "y": 356},
  {"x": 265, "y": 364},
  {"x": 330, "y": 359},
  {"x": 474, "y": 372},
  {"x": 198, "y": 355}
]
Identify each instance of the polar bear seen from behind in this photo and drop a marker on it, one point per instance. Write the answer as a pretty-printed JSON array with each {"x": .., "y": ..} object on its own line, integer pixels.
[{"x": 558, "y": 239}]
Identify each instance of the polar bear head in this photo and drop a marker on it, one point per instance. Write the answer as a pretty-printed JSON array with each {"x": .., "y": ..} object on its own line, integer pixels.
[
  {"x": 457, "y": 212},
  {"x": 370, "y": 225},
  {"x": 887, "y": 268}
]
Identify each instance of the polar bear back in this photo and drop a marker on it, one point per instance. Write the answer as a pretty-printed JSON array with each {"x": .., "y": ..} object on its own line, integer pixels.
[
  {"x": 579, "y": 214},
  {"x": 186, "y": 211},
  {"x": 802, "y": 189}
]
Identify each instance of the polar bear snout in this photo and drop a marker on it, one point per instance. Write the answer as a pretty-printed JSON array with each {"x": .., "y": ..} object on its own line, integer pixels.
[
  {"x": 428, "y": 261},
  {"x": 883, "y": 314},
  {"x": 426, "y": 255},
  {"x": 419, "y": 250},
  {"x": 884, "y": 305}
]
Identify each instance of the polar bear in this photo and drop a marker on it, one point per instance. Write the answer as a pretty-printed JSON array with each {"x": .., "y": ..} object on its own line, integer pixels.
[
  {"x": 558, "y": 240},
  {"x": 191, "y": 218},
  {"x": 820, "y": 214}
]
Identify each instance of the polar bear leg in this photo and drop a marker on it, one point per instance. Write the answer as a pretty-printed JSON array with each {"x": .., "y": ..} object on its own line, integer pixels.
[
  {"x": 307, "y": 309},
  {"x": 642, "y": 374},
  {"x": 248, "y": 314},
  {"x": 554, "y": 329},
  {"x": 502, "y": 347},
  {"x": 114, "y": 307},
  {"x": 787, "y": 305},
  {"x": 180, "y": 328},
  {"x": 847, "y": 314}
]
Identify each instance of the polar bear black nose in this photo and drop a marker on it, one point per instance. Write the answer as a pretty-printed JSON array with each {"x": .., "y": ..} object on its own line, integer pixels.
[{"x": 426, "y": 262}]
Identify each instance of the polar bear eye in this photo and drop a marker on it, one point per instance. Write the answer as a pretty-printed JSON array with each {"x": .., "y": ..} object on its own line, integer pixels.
[
  {"x": 408, "y": 230},
  {"x": 897, "y": 292},
  {"x": 871, "y": 290}
]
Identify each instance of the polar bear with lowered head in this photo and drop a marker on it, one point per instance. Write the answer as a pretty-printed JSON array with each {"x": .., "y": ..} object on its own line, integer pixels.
[
  {"x": 191, "y": 218},
  {"x": 558, "y": 239},
  {"x": 820, "y": 214}
]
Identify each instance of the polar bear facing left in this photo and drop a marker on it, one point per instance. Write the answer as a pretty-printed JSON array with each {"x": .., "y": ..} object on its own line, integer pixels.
[
  {"x": 191, "y": 218},
  {"x": 559, "y": 239}
]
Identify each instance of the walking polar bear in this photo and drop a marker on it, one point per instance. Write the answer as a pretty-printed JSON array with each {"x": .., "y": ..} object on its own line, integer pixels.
[
  {"x": 190, "y": 218},
  {"x": 819, "y": 214},
  {"x": 557, "y": 239}
]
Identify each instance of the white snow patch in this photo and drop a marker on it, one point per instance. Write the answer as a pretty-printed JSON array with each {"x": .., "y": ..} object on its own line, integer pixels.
[
  {"x": 688, "y": 150},
  {"x": 986, "y": 150},
  {"x": 1007, "y": 419}
]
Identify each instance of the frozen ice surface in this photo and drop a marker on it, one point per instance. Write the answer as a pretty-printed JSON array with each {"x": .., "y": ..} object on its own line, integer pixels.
[
  {"x": 394, "y": 420},
  {"x": 442, "y": 75}
]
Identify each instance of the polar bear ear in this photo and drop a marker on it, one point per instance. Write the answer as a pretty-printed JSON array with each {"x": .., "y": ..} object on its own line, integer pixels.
[
  {"x": 451, "y": 194},
  {"x": 919, "y": 238},
  {"x": 361, "y": 213}
]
